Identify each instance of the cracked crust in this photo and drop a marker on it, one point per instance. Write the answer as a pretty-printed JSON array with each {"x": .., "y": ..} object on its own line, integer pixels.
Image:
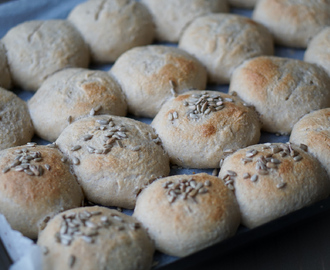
[
  {"x": 281, "y": 89},
  {"x": 221, "y": 42},
  {"x": 293, "y": 23},
  {"x": 112, "y": 27},
  {"x": 202, "y": 143},
  {"x": 37, "y": 49},
  {"x": 313, "y": 130}
]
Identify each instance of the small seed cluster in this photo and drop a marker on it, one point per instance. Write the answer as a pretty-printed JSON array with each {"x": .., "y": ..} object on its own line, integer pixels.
[
  {"x": 185, "y": 189},
  {"x": 265, "y": 163},
  {"x": 26, "y": 161},
  {"x": 204, "y": 104}
]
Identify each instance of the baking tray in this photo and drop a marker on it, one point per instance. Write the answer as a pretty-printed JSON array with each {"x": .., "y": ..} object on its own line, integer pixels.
[{"x": 14, "y": 12}]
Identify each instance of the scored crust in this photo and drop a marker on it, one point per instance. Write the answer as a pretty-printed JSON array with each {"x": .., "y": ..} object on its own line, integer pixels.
[
  {"x": 199, "y": 128},
  {"x": 272, "y": 180},
  {"x": 95, "y": 238},
  {"x": 113, "y": 157},
  {"x": 186, "y": 213}
]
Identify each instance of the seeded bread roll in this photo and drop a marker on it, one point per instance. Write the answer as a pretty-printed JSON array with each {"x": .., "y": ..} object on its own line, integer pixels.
[
  {"x": 150, "y": 75},
  {"x": 186, "y": 213},
  {"x": 293, "y": 23},
  {"x": 272, "y": 180},
  {"x": 199, "y": 128},
  {"x": 171, "y": 17},
  {"x": 112, "y": 27},
  {"x": 113, "y": 158},
  {"x": 221, "y": 42},
  {"x": 5, "y": 78},
  {"x": 313, "y": 130},
  {"x": 35, "y": 185},
  {"x": 71, "y": 94},
  {"x": 281, "y": 89},
  {"x": 15, "y": 123},
  {"x": 243, "y": 3},
  {"x": 317, "y": 51},
  {"x": 37, "y": 49},
  {"x": 95, "y": 238}
]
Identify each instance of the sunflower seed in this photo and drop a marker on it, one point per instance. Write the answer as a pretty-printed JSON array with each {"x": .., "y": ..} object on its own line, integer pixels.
[
  {"x": 75, "y": 147},
  {"x": 47, "y": 167},
  {"x": 69, "y": 119},
  {"x": 72, "y": 260},
  {"x": 87, "y": 137},
  {"x": 281, "y": 185},
  {"x": 303, "y": 147},
  {"x": 75, "y": 161},
  {"x": 297, "y": 158},
  {"x": 254, "y": 177},
  {"x": 6, "y": 169},
  {"x": 246, "y": 175}
]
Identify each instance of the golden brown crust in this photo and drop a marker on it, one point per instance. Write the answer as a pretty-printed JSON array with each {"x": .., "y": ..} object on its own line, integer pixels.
[
  {"x": 158, "y": 73},
  {"x": 30, "y": 196},
  {"x": 192, "y": 220},
  {"x": 201, "y": 142},
  {"x": 272, "y": 180},
  {"x": 101, "y": 239},
  {"x": 281, "y": 89},
  {"x": 71, "y": 94}
]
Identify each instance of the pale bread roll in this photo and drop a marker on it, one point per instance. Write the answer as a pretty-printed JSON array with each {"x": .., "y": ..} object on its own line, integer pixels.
[
  {"x": 95, "y": 238},
  {"x": 113, "y": 157},
  {"x": 5, "y": 77},
  {"x": 272, "y": 180},
  {"x": 199, "y": 128},
  {"x": 318, "y": 51},
  {"x": 313, "y": 130},
  {"x": 171, "y": 17},
  {"x": 35, "y": 185},
  {"x": 111, "y": 27},
  {"x": 221, "y": 42},
  {"x": 37, "y": 49},
  {"x": 15, "y": 122},
  {"x": 151, "y": 75},
  {"x": 293, "y": 23},
  {"x": 281, "y": 89},
  {"x": 186, "y": 213},
  {"x": 71, "y": 94}
]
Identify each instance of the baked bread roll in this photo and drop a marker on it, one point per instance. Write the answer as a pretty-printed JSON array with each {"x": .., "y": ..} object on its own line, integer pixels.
[
  {"x": 293, "y": 23},
  {"x": 37, "y": 49},
  {"x": 186, "y": 213},
  {"x": 95, "y": 238},
  {"x": 199, "y": 128},
  {"x": 35, "y": 185},
  {"x": 5, "y": 77},
  {"x": 317, "y": 51},
  {"x": 151, "y": 75},
  {"x": 221, "y": 42},
  {"x": 272, "y": 180},
  {"x": 111, "y": 27},
  {"x": 15, "y": 122},
  {"x": 71, "y": 94},
  {"x": 313, "y": 130},
  {"x": 243, "y": 3},
  {"x": 113, "y": 157},
  {"x": 281, "y": 89},
  {"x": 171, "y": 17}
]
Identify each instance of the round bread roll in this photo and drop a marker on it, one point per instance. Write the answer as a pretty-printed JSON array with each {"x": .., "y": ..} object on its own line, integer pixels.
[
  {"x": 281, "y": 89},
  {"x": 71, "y": 94},
  {"x": 95, "y": 238},
  {"x": 5, "y": 78},
  {"x": 272, "y": 180},
  {"x": 150, "y": 75},
  {"x": 35, "y": 185},
  {"x": 171, "y": 17},
  {"x": 111, "y": 27},
  {"x": 37, "y": 49},
  {"x": 243, "y": 3},
  {"x": 114, "y": 158},
  {"x": 15, "y": 122},
  {"x": 318, "y": 50},
  {"x": 221, "y": 42},
  {"x": 293, "y": 23},
  {"x": 199, "y": 128},
  {"x": 186, "y": 213},
  {"x": 313, "y": 130}
]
